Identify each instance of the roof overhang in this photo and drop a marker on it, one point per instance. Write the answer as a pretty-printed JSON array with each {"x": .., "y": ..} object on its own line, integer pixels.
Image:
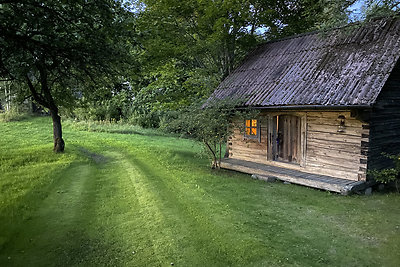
[{"x": 309, "y": 107}]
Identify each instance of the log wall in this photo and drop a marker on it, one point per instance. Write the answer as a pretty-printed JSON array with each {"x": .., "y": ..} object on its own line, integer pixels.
[
  {"x": 327, "y": 151},
  {"x": 249, "y": 149},
  {"x": 333, "y": 153}
]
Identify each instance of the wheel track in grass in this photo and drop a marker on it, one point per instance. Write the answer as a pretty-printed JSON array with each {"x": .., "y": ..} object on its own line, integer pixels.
[
  {"x": 64, "y": 230},
  {"x": 196, "y": 218},
  {"x": 149, "y": 211},
  {"x": 49, "y": 226}
]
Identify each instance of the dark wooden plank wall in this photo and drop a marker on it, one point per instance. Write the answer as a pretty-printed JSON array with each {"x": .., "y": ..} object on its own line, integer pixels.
[{"x": 385, "y": 124}]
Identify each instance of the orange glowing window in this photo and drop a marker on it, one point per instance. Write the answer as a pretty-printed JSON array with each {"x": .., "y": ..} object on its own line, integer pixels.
[{"x": 251, "y": 128}]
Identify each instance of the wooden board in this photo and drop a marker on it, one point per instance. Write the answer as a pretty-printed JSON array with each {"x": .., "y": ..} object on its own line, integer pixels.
[{"x": 324, "y": 182}]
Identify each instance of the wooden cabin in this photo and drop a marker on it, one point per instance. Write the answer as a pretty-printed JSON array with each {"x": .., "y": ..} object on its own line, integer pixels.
[{"x": 329, "y": 105}]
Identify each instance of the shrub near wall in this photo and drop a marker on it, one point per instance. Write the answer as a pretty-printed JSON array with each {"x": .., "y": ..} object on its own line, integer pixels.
[{"x": 390, "y": 175}]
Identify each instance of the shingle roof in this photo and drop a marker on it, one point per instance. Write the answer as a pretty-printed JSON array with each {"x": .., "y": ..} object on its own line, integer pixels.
[{"x": 343, "y": 67}]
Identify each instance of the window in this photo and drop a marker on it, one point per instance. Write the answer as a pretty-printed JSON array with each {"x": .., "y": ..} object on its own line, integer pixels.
[{"x": 251, "y": 129}]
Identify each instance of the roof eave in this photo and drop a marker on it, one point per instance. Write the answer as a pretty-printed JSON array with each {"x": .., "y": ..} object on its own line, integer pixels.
[{"x": 309, "y": 107}]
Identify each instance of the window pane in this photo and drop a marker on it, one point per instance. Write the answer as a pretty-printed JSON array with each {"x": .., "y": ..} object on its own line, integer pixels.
[
  {"x": 254, "y": 123},
  {"x": 247, "y": 123},
  {"x": 253, "y": 131},
  {"x": 248, "y": 131}
]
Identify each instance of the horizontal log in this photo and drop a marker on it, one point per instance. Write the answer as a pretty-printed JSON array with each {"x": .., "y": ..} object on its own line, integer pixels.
[
  {"x": 331, "y": 152},
  {"x": 249, "y": 150},
  {"x": 249, "y": 140},
  {"x": 333, "y": 122},
  {"x": 346, "y": 139},
  {"x": 249, "y": 158},
  {"x": 338, "y": 163},
  {"x": 328, "y": 114},
  {"x": 249, "y": 146},
  {"x": 247, "y": 154},
  {"x": 338, "y": 145},
  {"x": 325, "y": 170},
  {"x": 352, "y": 131}
]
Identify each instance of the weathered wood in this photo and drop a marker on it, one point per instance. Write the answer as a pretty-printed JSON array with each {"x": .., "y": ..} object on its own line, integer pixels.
[
  {"x": 351, "y": 124},
  {"x": 319, "y": 148},
  {"x": 303, "y": 178},
  {"x": 351, "y": 131},
  {"x": 270, "y": 136},
  {"x": 333, "y": 137},
  {"x": 334, "y": 152},
  {"x": 384, "y": 136},
  {"x": 334, "y": 146}
]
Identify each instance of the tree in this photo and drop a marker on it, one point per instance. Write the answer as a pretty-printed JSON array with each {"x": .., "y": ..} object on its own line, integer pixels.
[
  {"x": 6, "y": 95},
  {"x": 61, "y": 50},
  {"x": 380, "y": 8},
  {"x": 190, "y": 46},
  {"x": 211, "y": 123}
]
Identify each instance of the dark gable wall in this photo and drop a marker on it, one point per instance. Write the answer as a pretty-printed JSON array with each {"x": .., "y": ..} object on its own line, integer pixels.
[{"x": 385, "y": 123}]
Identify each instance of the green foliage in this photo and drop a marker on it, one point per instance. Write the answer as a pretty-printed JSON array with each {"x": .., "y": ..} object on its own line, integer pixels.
[
  {"x": 14, "y": 114},
  {"x": 210, "y": 123},
  {"x": 332, "y": 13},
  {"x": 111, "y": 106},
  {"x": 120, "y": 127},
  {"x": 380, "y": 8},
  {"x": 188, "y": 47},
  {"x": 69, "y": 48},
  {"x": 388, "y": 175},
  {"x": 62, "y": 51}
]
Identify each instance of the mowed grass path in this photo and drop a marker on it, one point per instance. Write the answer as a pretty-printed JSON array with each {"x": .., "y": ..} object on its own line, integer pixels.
[{"x": 144, "y": 199}]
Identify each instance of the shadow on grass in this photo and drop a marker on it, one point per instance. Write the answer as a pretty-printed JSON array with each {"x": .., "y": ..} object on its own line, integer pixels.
[
  {"x": 53, "y": 224},
  {"x": 79, "y": 249},
  {"x": 97, "y": 158}
]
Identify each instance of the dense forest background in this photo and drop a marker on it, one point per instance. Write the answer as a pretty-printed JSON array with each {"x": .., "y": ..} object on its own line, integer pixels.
[{"x": 143, "y": 62}]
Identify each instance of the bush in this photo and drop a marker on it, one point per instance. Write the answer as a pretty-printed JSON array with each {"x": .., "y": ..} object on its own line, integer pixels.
[
  {"x": 388, "y": 175},
  {"x": 210, "y": 124},
  {"x": 149, "y": 119},
  {"x": 13, "y": 115}
]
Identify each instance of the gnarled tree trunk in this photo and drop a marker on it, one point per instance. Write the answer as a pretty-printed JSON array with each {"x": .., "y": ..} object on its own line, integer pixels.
[
  {"x": 45, "y": 99},
  {"x": 57, "y": 132}
]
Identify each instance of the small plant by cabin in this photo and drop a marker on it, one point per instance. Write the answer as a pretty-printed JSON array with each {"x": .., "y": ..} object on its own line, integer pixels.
[{"x": 389, "y": 175}]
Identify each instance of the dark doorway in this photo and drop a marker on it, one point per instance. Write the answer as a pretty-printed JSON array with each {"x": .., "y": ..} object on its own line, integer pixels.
[{"x": 286, "y": 133}]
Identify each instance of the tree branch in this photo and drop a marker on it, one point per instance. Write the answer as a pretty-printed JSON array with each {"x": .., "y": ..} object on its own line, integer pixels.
[{"x": 38, "y": 98}]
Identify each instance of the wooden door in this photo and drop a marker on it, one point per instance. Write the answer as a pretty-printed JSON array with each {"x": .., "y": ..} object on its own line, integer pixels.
[{"x": 287, "y": 138}]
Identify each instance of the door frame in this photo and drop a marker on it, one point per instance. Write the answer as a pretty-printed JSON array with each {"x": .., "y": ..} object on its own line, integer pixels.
[{"x": 302, "y": 144}]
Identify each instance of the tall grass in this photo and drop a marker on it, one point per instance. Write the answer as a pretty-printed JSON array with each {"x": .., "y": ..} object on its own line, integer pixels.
[
  {"x": 13, "y": 115},
  {"x": 113, "y": 126}
]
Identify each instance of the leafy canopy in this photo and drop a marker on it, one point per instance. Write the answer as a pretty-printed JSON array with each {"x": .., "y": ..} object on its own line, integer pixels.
[{"x": 65, "y": 47}]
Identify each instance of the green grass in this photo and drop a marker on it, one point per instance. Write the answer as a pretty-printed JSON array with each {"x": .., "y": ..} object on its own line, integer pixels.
[{"x": 144, "y": 199}]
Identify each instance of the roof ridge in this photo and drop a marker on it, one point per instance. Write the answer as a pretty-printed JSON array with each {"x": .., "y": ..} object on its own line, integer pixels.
[{"x": 331, "y": 72}]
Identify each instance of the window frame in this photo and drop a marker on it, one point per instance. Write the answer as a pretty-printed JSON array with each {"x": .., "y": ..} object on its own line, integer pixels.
[{"x": 257, "y": 127}]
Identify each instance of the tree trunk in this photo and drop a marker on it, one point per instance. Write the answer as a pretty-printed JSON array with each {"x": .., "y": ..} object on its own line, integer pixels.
[
  {"x": 45, "y": 99},
  {"x": 57, "y": 132},
  {"x": 214, "y": 163},
  {"x": 220, "y": 155}
]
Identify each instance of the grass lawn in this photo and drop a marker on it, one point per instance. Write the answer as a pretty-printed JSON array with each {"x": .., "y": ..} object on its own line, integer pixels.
[{"x": 147, "y": 199}]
